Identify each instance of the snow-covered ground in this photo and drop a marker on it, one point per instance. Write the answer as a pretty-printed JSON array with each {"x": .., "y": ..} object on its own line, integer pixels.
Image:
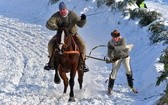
[{"x": 24, "y": 39}]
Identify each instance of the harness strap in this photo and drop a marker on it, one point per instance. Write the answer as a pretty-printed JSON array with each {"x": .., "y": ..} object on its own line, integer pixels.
[
  {"x": 71, "y": 52},
  {"x": 74, "y": 43}
]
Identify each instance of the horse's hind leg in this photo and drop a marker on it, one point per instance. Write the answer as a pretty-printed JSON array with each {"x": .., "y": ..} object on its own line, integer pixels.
[
  {"x": 80, "y": 78},
  {"x": 65, "y": 80}
]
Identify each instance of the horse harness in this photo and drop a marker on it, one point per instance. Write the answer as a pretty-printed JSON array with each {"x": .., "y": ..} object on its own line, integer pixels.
[{"x": 62, "y": 45}]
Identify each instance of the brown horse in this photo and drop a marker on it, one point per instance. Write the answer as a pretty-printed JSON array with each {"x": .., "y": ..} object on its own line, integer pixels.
[{"x": 66, "y": 60}]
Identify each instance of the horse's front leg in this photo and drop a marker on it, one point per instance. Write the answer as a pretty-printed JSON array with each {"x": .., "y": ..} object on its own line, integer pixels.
[
  {"x": 65, "y": 80},
  {"x": 80, "y": 78},
  {"x": 72, "y": 82},
  {"x": 56, "y": 77}
]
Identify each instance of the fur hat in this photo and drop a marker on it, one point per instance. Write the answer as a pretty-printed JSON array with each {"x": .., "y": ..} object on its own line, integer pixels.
[
  {"x": 115, "y": 33},
  {"x": 62, "y": 6}
]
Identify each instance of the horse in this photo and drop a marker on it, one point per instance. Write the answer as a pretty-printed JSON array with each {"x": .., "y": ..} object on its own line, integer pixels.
[{"x": 66, "y": 60}]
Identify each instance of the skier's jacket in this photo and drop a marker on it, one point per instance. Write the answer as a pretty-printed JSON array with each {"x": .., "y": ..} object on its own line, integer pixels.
[{"x": 120, "y": 50}]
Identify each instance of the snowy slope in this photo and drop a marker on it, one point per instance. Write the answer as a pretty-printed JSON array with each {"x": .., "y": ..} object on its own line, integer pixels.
[{"x": 24, "y": 52}]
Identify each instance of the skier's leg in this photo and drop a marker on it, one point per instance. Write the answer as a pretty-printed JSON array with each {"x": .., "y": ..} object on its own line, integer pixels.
[
  {"x": 115, "y": 68},
  {"x": 129, "y": 74}
]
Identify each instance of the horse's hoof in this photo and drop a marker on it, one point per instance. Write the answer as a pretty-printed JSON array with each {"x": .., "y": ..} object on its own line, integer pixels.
[
  {"x": 80, "y": 87},
  {"x": 71, "y": 99}
]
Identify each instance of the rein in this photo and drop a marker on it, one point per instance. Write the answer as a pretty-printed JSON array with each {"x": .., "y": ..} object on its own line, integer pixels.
[{"x": 71, "y": 51}]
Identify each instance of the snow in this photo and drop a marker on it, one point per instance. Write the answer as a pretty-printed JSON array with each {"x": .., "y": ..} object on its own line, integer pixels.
[{"x": 24, "y": 39}]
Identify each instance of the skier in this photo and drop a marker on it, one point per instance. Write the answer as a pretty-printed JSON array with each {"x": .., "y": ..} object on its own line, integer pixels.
[{"x": 117, "y": 54}]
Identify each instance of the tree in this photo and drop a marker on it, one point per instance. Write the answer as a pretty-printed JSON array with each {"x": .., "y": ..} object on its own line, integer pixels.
[{"x": 164, "y": 73}]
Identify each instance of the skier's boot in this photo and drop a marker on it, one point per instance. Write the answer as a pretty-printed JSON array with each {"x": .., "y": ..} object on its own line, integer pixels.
[
  {"x": 130, "y": 82},
  {"x": 110, "y": 86}
]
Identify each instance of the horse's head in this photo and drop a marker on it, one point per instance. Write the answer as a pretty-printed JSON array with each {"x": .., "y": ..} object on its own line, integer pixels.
[{"x": 67, "y": 43}]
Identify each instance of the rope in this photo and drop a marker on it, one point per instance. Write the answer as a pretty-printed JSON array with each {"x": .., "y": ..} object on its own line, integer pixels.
[
  {"x": 89, "y": 56},
  {"x": 97, "y": 13},
  {"x": 95, "y": 58},
  {"x": 95, "y": 48}
]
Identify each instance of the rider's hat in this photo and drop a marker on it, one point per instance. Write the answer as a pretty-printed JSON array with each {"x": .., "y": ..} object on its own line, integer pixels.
[{"x": 62, "y": 6}]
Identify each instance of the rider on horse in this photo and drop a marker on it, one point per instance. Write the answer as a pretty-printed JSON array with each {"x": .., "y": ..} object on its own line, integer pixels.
[{"x": 67, "y": 20}]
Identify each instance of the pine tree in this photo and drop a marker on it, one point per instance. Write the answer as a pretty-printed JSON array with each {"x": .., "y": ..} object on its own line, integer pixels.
[{"x": 164, "y": 73}]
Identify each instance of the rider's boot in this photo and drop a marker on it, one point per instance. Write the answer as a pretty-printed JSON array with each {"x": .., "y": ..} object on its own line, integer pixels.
[
  {"x": 49, "y": 65},
  {"x": 83, "y": 65}
]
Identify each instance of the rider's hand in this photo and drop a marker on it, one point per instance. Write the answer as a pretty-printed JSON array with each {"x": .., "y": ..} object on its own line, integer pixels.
[
  {"x": 83, "y": 17},
  {"x": 63, "y": 24},
  {"x": 63, "y": 28}
]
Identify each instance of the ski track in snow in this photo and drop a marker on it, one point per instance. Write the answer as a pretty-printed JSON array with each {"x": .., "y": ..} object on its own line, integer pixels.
[
  {"x": 24, "y": 82},
  {"x": 23, "y": 49}
]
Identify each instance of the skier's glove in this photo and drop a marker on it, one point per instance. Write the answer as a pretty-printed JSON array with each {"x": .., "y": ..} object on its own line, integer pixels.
[{"x": 107, "y": 59}]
